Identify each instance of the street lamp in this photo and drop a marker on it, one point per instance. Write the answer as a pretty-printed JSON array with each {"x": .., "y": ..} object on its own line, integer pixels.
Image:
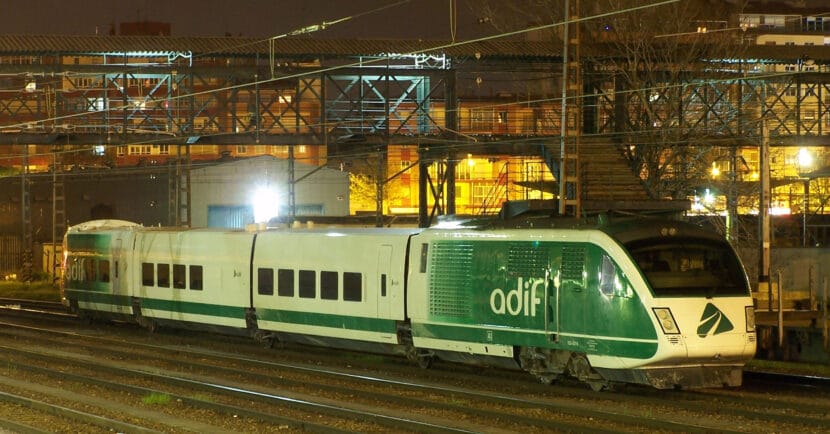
[{"x": 804, "y": 160}]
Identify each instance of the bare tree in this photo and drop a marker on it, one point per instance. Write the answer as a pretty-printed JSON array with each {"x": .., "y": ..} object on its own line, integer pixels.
[{"x": 658, "y": 73}]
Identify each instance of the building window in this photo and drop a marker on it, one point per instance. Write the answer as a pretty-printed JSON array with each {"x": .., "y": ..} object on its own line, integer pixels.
[
  {"x": 140, "y": 149},
  {"x": 481, "y": 120},
  {"x": 84, "y": 83}
]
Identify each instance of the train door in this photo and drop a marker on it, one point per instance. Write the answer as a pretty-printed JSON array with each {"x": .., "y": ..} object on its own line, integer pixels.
[
  {"x": 116, "y": 275},
  {"x": 384, "y": 280},
  {"x": 552, "y": 306}
]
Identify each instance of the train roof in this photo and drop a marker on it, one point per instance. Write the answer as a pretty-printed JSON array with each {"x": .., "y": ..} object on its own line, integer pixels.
[
  {"x": 104, "y": 224},
  {"x": 623, "y": 228},
  {"x": 335, "y": 230}
]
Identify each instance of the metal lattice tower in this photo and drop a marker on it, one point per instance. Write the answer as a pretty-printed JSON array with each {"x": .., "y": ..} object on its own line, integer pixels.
[
  {"x": 569, "y": 182},
  {"x": 26, "y": 218},
  {"x": 58, "y": 207},
  {"x": 179, "y": 188}
]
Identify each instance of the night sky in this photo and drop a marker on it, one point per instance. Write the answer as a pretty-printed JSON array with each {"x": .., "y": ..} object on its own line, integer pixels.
[
  {"x": 425, "y": 19},
  {"x": 373, "y": 19}
]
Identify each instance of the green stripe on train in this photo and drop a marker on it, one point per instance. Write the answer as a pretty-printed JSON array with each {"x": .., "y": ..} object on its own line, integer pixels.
[
  {"x": 216, "y": 310},
  {"x": 97, "y": 297},
  {"x": 504, "y": 336},
  {"x": 377, "y": 325},
  {"x": 191, "y": 308},
  {"x": 301, "y": 318}
]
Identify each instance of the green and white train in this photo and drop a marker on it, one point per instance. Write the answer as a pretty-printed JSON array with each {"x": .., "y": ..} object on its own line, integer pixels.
[{"x": 654, "y": 302}]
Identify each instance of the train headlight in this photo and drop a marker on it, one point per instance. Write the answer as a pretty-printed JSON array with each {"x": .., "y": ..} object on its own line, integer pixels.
[
  {"x": 666, "y": 320},
  {"x": 750, "y": 319}
]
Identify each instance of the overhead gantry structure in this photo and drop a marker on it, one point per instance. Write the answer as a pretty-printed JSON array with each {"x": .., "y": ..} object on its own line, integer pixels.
[{"x": 355, "y": 98}]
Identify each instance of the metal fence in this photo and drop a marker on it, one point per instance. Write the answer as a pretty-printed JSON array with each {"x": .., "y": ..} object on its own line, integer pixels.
[{"x": 10, "y": 255}]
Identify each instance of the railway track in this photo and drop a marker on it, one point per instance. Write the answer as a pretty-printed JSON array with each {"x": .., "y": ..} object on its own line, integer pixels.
[
  {"x": 371, "y": 394},
  {"x": 52, "y": 307}
]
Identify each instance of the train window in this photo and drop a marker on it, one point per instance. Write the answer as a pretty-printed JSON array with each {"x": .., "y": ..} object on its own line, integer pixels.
[
  {"x": 308, "y": 284},
  {"x": 383, "y": 285},
  {"x": 265, "y": 281},
  {"x": 163, "y": 274},
  {"x": 179, "y": 278},
  {"x": 328, "y": 285},
  {"x": 608, "y": 276},
  {"x": 90, "y": 273},
  {"x": 196, "y": 277},
  {"x": 285, "y": 282},
  {"x": 424, "y": 250},
  {"x": 104, "y": 270},
  {"x": 148, "y": 277},
  {"x": 116, "y": 269},
  {"x": 690, "y": 267},
  {"x": 352, "y": 286}
]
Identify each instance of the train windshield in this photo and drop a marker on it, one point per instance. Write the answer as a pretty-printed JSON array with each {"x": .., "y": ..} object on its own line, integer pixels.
[{"x": 689, "y": 267}]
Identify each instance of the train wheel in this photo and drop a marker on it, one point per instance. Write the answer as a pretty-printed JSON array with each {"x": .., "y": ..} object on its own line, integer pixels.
[
  {"x": 152, "y": 326},
  {"x": 580, "y": 368},
  {"x": 266, "y": 339},
  {"x": 542, "y": 364},
  {"x": 547, "y": 379},
  {"x": 148, "y": 323},
  {"x": 425, "y": 359},
  {"x": 85, "y": 317}
]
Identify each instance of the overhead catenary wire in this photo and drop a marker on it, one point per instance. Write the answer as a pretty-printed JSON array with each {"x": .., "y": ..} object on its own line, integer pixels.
[
  {"x": 447, "y": 144},
  {"x": 361, "y": 62}
]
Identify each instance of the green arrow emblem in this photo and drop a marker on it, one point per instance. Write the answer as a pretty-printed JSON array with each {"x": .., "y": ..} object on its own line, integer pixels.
[{"x": 713, "y": 322}]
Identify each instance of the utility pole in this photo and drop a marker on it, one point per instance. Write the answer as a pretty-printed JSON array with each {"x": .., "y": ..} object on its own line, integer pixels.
[
  {"x": 763, "y": 213},
  {"x": 178, "y": 188},
  {"x": 570, "y": 120},
  {"x": 58, "y": 209},
  {"x": 26, "y": 218}
]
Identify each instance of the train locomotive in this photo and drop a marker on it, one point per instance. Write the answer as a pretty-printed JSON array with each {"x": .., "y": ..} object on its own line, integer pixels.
[{"x": 646, "y": 301}]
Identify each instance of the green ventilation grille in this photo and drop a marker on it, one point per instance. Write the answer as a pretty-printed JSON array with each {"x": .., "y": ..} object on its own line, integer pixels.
[
  {"x": 573, "y": 265},
  {"x": 450, "y": 279},
  {"x": 527, "y": 260}
]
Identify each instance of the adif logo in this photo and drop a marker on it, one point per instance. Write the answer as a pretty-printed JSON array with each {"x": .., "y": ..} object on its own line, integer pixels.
[
  {"x": 520, "y": 301},
  {"x": 77, "y": 271},
  {"x": 713, "y": 322}
]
